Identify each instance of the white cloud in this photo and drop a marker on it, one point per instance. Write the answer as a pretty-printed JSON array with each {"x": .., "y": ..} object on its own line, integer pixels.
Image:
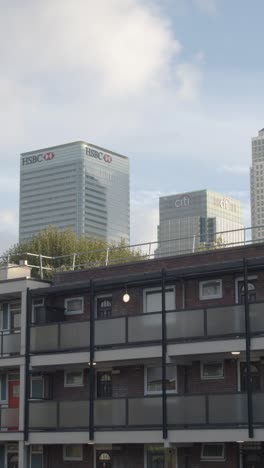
[{"x": 237, "y": 170}]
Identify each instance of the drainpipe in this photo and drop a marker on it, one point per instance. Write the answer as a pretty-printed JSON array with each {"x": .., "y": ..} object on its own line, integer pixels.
[
  {"x": 164, "y": 355},
  {"x": 248, "y": 343},
  {"x": 91, "y": 372}
]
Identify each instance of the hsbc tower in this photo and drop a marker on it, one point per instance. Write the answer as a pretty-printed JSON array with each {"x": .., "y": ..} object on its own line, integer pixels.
[{"x": 78, "y": 186}]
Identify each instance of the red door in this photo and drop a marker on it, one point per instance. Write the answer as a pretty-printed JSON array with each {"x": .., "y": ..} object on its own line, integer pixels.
[
  {"x": 13, "y": 394},
  {"x": 13, "y": 403}
]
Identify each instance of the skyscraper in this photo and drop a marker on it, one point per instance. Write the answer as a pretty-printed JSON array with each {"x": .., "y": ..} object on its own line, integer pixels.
[
  {"x": 194, "y": 220},
  {"x": 78, "y": 186},
  {"x": 257, "y": 186}
]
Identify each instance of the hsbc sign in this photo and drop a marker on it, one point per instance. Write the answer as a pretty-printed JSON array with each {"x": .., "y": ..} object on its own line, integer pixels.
[
  {"x": 98, "y": 155},
  {"x": 37, "y": 158}
]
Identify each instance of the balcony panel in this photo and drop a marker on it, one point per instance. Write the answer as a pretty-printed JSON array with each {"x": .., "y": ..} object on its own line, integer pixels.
[
  {"x": 145, "y": 411},
  {"x": 110, "y": 331},
  {"x": 186, "y": 410},
  {"x": 74, "y": 335},
  {"x": 228, "y": 409},
  {"x": 44, "y": 338},
  {"x": 11, "y": 343},
  {"x": 110, "y": 412},
  {"x": 258, "y": 408},
  {"x": 226, "y": 320},
  {"x": 9, "y": 418},
  {"x": 185, "y": 324},
  {"x": 145, "y": 327},
  {"x": 256, "y": 312},
  {"x": 73, "y": 414},
  {"x": 43, "y": 415}
]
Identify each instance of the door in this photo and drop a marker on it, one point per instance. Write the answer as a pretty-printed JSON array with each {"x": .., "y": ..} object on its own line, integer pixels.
[
  {"x": 252, "y": 460},
  {"x": 104, "y": 384},
  {"x": 13, "y": 394},
  {"x": 12, "y": 461},
  {"x": 254, "y": 375}
]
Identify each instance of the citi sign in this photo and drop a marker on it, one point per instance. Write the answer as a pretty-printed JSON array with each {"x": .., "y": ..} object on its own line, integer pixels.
[
  {"x": 98, "y": 155},
  {"x": 37, "y": 158}
]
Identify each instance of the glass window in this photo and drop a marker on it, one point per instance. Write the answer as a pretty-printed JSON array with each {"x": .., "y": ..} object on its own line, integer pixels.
[
  {"x": 37, "y": 387},
  {"x": 210, "y": 289},
  {"x": 155, "y": 459},
  {"x": 3, "y": 388},
  {"x": 72, "y": 452},
  {"x": 212, "y": 370},
  {"x": 153, "y": 379},
  {"x": 152, "y": 299},
  {"x": 73, "y": 378},
  {"x": 213, "y": 452},
  {"x": 73, "y": 306},
  {"x": 104, "y": 384}
]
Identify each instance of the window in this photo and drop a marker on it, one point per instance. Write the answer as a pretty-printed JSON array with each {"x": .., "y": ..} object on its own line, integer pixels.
[
  {"x": 15, "y": 315},
  {"x": 73, "y": 378},
  {"x": 153, "y": 379},
  {"x": 3, "y": 388},
  {"x": 36, "y": 456},
  {"x": 104, "y": 384},
  {"x": 37, "y": 307},
  {"x": 37, "y": 387},
  {"x": 210, "y": 289},
  {"x": 155, "y": 459},
  {"x": 72, "y": 452},
  {"x": 213, "y": 452},
  {"x": 73, "y": 306},
  {"x": 152, "y": 299},
  {"x": 212, "y": 370},
  {"x": 103, "y": 307}
]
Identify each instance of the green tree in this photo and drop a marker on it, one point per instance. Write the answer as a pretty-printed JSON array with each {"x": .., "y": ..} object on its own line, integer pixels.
[{"x": 59, "y": 250}]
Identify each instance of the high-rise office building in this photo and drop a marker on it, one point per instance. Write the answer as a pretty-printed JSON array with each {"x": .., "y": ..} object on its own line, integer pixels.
[
  {"x": 78, "y": 186},
  {"x": 196, "y": 220},
  {"x": 257, "y": 186}
]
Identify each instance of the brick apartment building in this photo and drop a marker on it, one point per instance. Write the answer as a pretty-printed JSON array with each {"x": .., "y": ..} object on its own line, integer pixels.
[{"x": 173, "y": 378}]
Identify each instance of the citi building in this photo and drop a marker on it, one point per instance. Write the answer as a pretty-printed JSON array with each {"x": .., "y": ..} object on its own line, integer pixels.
[{"x": 78, "y": 186}]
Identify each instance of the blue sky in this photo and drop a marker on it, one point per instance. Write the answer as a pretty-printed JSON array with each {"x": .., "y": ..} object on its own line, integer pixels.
[{"x": 174, "y": 84}]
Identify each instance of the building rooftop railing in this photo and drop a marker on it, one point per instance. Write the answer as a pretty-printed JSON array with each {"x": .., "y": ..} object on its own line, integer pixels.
[{"x": 208, "y": 241}]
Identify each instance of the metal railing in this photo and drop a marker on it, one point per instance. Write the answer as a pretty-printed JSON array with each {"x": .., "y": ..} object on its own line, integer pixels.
[{"x": 115, "y": 255}]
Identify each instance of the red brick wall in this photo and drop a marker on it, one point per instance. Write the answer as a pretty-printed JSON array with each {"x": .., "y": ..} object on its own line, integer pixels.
[
  {"x": 196, "y": 462},
  {"x": 228, "y": 384},
  {"x": 53, "y": 457}
]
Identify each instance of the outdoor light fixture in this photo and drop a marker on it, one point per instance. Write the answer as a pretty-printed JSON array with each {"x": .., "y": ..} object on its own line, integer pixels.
[
  {"x": 235, "y": 353},
  {"x": 126, "y": 297},
  {"x": 94, "y": 363}
]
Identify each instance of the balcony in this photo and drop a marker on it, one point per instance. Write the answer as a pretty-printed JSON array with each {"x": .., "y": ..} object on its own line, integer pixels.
[
  {"x": 9, "y": 343},
  {"x": 184, "y": 411},
  {"x": 211, "y": 323},
  {"x": 9, "y": 419}
]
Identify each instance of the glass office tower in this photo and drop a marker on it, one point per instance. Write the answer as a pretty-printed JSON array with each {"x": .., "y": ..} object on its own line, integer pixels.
[
  {"x": 78, "y": 186},
  {"x": 196, "y": 220},
  {"x": 257, "y": 187}
]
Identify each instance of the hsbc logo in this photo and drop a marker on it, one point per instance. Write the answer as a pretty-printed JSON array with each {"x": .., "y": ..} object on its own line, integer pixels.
[
  {"x": 99, "y": 155},
  {"x": 37, "y": 158},
  {"x": 48, "y": 156}
]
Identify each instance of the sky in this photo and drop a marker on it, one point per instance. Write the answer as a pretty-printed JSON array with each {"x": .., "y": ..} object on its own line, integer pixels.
[{"x": 176, "y": 85}]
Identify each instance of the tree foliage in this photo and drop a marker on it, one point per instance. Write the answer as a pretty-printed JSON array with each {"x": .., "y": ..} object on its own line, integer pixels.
[{"x": 67, "y": 252}]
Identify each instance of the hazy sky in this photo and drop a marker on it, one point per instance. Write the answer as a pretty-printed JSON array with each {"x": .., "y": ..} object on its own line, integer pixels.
[{"x": 176, "y": 85}]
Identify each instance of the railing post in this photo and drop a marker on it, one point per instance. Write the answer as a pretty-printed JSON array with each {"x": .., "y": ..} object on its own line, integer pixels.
[
  {"x": 73, "y": 261},
  {"x": 248, "y": 343},
  {"x": 41, "y": 266},
  {"x": 149, "y": 250},
  {"x": 164, "y": 355}
]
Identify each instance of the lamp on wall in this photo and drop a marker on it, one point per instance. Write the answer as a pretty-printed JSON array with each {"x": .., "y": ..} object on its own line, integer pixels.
[{"x": 126, "y": 296}]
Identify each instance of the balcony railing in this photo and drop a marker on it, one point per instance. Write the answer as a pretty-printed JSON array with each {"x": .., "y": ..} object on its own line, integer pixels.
[
  {"x": 9, "y": 419},
  {"x": 184, "y": 411},
  {"x": 183, "y": 325},
  {"x": 9, "y": 343}
]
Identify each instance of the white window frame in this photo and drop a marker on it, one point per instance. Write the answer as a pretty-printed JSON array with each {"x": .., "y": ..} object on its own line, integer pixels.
[
  {"x": 215, "y": 296},
  {"x": 74, "y": 312},
  {"x": 100, "y": 296},
  {"x": 159, "y": 392},
  {"x": 220, "y": 458},
  {"x": 206, "y": 377},
  {"x": 72, "y": 385},
  {"x": 157, "y": 289},
  {"x": 66, "y": 458},
  {"x": 36, "y": 377}
]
